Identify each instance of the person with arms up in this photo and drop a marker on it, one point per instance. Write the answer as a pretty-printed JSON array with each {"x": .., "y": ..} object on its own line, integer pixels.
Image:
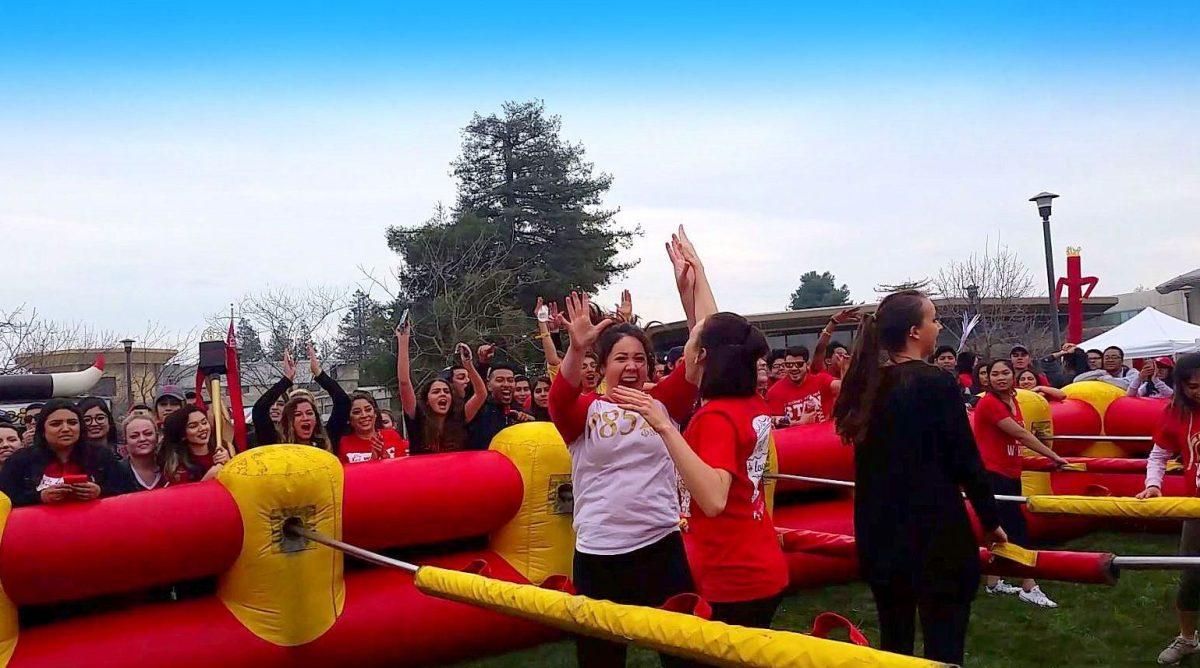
[
  {"x": 721, "y": 458},
  {"x": 628, "y": 548},
  {"x": 913, "y": 453},
  {"x": 268, "y": 427},
  {"x": 1179, "y": 435},
  {"x": 436, "y": 418}
]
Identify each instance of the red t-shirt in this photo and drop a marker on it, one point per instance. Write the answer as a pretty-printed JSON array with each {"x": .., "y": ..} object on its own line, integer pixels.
[
  {"x": 814, "y": 394},
  {"x": 55, "y": 471},
  {"x": 355, "y": 449},
  {"x": 966, "y": 380},
  {"x": 738, "y": 551},
  {"x": 1181, "y": 434},
  {"x": 1001, "y": 453}
]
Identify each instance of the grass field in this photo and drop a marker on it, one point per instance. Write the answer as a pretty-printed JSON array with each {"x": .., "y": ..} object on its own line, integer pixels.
[{"x": 1125, "y": 625}]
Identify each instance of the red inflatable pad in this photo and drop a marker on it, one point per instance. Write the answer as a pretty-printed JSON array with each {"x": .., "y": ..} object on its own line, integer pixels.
[
  {"x": 429, "y": 499},
  {"x": 829, "y": 516},
  {"x": 124, "y": 543},
  {"x": 813, "y": 450},
  {"x": 1134, "y": 416},
  {"x": 1074, "y": 417},
  {"x": 386, "y": 622},
  {"x": 1082, "y": 567}
]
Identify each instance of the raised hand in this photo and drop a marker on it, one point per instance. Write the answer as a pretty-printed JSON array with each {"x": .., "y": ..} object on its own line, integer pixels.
[
  {"x": 685, "y": 277},
  {"x": 403, "y": 330},
  {"x": 849, "y": 315},
  {"x": 464, "y": 354},
  {"x": 314, "y": 364},
  {"x": 289, "y": 366},
  {"x": 542, "y": 316},
  {"x": 685, "y": 249},
  {"x": 555, "y": 322},
  {"x": 485, "y": 353},
  {"x": 579, "y": 322},
  {"x": 625, "y": 308}
]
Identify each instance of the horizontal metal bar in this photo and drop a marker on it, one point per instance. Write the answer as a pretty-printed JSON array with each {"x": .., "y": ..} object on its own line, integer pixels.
[
  {"x": 1097, "y": 437},
  {"x": 1156, "y": 563},
  {"x": 847, "y": 483},
  {"x": 297, "y": 529}
]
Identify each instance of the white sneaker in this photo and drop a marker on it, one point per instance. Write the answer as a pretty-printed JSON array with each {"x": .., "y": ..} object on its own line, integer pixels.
[
  {"x": 1002, "y": 587},
  {"x": 1178, "y": 649},
  {"x": 1036, "y": 597}
]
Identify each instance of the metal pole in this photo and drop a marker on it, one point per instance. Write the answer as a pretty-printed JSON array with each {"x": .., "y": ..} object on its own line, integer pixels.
[
  {"x": 128, "y": 374},
  {"x": 1156, "y": 563},
  {"x": 1097, "y": 437},
  {"x": 295, "y": 528},
  {"x": 1055, "y": 329},
  {"x": 847, "y": 483}
]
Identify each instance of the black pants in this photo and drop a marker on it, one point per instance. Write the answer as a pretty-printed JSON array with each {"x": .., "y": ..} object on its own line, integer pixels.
[
  {"x": 943, "y": 623},
  {"x": 755, "y": 614},
  {"x": 647, "y": 576}
]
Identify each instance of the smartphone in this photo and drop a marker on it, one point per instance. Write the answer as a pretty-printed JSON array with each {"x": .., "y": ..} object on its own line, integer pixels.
[
  {"x": 403, "y": 319},
  {"x": 75, "y": 479},
  {"x": 543, "y": 314}
]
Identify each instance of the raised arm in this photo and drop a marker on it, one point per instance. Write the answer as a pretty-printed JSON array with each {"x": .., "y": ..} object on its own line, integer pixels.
[
  {"x": 264, "y": 429},
  {"x": 479, "y": 395},
  {"x": 583, "y": 335},
  {"x": 339, "y": 415},
  {"x": 704, "y": 304},
  {"x": 817, "y": 363},
  {"x": 546, "y": 330},
  {"x": 408, "y": 396}
]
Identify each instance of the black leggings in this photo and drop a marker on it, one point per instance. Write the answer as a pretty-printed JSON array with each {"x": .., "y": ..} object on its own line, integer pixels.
[
  {"x": 755, "y": 614},
  {"x": 647, "y": 576},
  {"x": 943, "y": 623}
]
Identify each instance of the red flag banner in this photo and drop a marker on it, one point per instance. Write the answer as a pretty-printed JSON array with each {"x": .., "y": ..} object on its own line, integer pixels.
[{"x": 235, "y": 390}]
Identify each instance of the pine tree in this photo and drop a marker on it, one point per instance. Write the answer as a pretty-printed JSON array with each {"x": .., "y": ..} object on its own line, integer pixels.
[
  {"x": 819, "y": 290},
  {"x": 250, "y": 348}
]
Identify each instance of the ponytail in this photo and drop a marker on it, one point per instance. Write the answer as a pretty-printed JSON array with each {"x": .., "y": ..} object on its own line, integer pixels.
[{"x": 860, "y": 385}]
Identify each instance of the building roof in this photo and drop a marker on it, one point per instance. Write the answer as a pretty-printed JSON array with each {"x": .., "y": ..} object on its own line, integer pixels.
[
  {"x": 814, "y": 319},
  {"x": 1186, "y": 281}
]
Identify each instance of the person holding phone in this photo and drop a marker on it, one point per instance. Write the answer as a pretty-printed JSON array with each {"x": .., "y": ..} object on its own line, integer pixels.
[
  {"x": 269, "y": 429},
  {"x": 60, "y": 466},
  {"x": 436, "y": 417},
  {"x": 1152, "y": 380}
]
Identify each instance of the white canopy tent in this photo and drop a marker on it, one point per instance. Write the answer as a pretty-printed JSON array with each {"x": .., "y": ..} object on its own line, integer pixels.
[{"x": 1150, "y": 333}]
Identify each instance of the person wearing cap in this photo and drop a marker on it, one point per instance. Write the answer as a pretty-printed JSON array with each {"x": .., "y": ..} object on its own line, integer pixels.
[
  {"x": 166, "y": 403},
  {"x": 673, "y": 356},
  {"x": 1022, "y": 360},
  {"x": 1154, "y": 379}
]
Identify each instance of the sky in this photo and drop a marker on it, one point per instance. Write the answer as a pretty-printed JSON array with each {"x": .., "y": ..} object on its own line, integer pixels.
[{"x": 158, "y": 161}]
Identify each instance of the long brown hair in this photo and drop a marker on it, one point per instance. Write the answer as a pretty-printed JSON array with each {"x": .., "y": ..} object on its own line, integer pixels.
[
  {"x": 174, "y": 452},
  {"x": 885, "y": 331},
  {"x": 287, "y": 426}
]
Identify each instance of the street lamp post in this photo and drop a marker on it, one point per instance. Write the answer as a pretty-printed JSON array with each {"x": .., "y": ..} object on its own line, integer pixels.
[
  {"x": 128, "y": 343},
  {"x": 1043, "y": 200}
]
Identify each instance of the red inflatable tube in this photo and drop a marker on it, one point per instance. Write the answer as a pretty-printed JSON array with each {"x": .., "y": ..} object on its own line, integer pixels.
[
  {"x": 442, "y": 497},
  {"x": 1094, "y": 464},
  {"x": 832, "y": 556},
  {"x": 73, "y": 551},
  {"x": 812, "y": 450},
  {"x": 386, "y": 622},
  {"x": 1111, "y": 484},
  {"x": 830, "y": 516},
  {"x": 1074, "y": 417},
  {"x": 1081, "y": 567}
]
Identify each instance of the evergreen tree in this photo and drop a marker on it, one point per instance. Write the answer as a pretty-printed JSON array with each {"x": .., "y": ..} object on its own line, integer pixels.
[
  {"x": 250, "y": 346},
  {"x": 819, "y": 290},
  {"x": 516, "y": 173}
]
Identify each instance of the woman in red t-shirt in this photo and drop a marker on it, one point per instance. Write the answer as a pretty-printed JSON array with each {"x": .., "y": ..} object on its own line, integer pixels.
[
  {"x": 721, "y": 457},
  {"x": 1179, "y": 434},
  {"x": 189, "y": 451},
  {"x": 368, "y": 441},
  {"x": 1000, "y": 433}
]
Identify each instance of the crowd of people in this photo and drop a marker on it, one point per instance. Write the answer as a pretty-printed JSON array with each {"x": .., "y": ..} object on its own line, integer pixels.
[{"x": 663, "y": 447}]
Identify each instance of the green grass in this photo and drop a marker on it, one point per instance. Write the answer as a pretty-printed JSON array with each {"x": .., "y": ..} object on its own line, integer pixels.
[{"x": 1125, "y": 625}]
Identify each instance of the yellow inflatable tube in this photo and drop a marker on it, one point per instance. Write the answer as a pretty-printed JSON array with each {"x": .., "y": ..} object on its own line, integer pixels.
[
  {"x": 675, "y": 633},
  {"x": 1163, "y": 507}
]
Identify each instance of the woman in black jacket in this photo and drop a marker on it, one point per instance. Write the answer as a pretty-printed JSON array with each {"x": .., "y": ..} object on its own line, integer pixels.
[
  {"x": 60, "y": 466},
  {"x": 267, "y": 429},
  {"x": 914, "y": 451}
]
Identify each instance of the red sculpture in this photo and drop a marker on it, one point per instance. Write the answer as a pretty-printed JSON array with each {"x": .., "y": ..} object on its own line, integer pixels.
[{"x": 1075, "y": 283}]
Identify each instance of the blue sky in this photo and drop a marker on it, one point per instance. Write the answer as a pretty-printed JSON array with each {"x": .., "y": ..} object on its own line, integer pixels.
[{"x": 154, "y": 150}]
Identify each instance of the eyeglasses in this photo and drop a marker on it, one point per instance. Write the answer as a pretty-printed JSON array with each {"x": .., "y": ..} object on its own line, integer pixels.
[{"x": 95, "y": 419}]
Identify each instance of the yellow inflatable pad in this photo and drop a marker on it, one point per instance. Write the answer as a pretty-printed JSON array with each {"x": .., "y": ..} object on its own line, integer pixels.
[
  {"x": 9, "y": 627},
  {"x": 671, "y": 632},
  {"x": 1163, "y": 507}
]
